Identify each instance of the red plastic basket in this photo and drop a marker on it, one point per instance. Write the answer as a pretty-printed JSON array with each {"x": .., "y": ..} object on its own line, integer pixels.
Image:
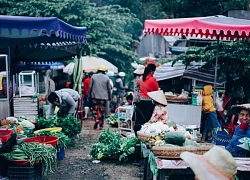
[
  {"x": 23, "y": 163},
  {"x": 5, "y": 135},
  {"x": 43, "y": 139}
]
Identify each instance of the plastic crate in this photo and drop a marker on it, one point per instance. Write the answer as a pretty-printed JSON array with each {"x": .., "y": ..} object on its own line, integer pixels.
[
  {"x": 25, "y": 173},
  {"x": 5, "y": 135}
]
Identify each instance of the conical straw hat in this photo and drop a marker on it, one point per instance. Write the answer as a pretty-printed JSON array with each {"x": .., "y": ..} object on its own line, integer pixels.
[{"x": 158, "y": 96}]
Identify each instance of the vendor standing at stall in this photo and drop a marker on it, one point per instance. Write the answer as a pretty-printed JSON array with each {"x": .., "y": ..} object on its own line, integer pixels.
[
  {"x": 146, "y": 106},
  {"x": 66, "y": 99},
  {"x": 209, "y": 116},
  {"x": 241, "y": 131}
]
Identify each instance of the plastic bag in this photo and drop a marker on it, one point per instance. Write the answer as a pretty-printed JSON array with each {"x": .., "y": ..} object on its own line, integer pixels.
[{"x": 218, "y": 102}]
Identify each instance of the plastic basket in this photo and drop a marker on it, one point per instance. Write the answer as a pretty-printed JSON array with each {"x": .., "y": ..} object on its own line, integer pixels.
[
  {"x": 43, "y": 139},
  {"x": 5, "y": 135},
  {"x": 54, "y": 129},
  {"x": 25, "y": 173},
  {"x": 21, "y": 163}
]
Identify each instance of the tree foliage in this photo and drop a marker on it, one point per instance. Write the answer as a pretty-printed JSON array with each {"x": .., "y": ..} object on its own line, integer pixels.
[
  {"x": 108, "y": 27},
  {"x": 234, "y": 57}
]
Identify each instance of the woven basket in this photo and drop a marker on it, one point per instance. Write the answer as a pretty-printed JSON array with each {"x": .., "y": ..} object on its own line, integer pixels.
[
  {"x": 143, "y": 137},
  {"x": 175, "y": 152}
]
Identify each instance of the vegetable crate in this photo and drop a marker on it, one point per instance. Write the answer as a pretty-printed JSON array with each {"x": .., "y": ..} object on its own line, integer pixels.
[{"x": 25, "y": 173}]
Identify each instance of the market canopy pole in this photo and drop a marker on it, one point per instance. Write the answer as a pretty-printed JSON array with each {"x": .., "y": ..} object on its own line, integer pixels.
[{"x": 216, "y": 61}]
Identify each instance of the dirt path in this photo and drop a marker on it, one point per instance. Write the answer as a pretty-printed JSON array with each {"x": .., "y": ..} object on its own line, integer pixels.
[{"x": 78, "y": 163}]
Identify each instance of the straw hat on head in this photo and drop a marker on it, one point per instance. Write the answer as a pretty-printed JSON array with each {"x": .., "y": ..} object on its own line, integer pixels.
[
  {"x": 102, "y": 68},
  {"x": 216, "y": 164},
  {"x": 238, "y": 108},
  {"x": 139, "y": 70},
  {"x": 158, "y": 96}
]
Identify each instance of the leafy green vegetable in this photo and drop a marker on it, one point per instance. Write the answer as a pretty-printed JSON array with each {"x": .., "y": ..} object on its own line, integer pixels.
[
  {"x": 46, "y": 122},
  {"x": 110, "y": 144},
  {"x": 128, "y": 147},
  {"x": 70, "y": 125}
]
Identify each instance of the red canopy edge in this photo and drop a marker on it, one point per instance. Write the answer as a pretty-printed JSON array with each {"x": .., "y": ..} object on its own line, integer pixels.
[{"x": 197, "y": 26}]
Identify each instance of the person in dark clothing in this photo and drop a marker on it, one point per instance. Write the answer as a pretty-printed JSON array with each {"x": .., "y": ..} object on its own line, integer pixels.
[
  {"x": 120, "y": 89},
  {"x": 144, "y": 109}
]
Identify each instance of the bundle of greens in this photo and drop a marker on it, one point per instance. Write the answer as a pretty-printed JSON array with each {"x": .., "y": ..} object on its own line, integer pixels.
[
  {"x": 46, "y": 122},
  {"x": 70, "y": 125},
  {"x": 110, "y": 144},
  {"x": 128, "y": 147},
  {"x": 113, "y": 120}
]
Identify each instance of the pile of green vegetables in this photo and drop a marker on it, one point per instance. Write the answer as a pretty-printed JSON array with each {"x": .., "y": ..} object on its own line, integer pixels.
[
  {"x": 113, "y": 120},
  {"x": 111, "y": 145},
  {"x": 63, "y": 141},
  {"x": 70, "y": 125},
  {"x": 35, "y": 152}
]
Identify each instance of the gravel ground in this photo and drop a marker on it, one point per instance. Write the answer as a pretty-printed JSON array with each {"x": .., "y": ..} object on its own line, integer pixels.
[{"x": 78, "y": 163}]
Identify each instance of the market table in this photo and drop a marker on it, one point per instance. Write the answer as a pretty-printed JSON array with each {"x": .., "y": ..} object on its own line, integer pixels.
[
  {"x": 157, "y": 168},
  {"x": 166, "y": 167}
]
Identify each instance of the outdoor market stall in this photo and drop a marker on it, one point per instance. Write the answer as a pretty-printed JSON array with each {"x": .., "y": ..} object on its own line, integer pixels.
[
  {"x": 27, "y": 40},
  {"x": 38, "y": 39},
  {"x": 162, "y": 144}
]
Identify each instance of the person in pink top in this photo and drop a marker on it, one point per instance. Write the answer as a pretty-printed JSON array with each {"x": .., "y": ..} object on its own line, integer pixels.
[{"x": 145, "y": 107}]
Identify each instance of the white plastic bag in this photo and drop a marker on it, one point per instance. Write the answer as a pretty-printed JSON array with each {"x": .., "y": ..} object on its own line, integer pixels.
[{"x": 218, "y": 102}]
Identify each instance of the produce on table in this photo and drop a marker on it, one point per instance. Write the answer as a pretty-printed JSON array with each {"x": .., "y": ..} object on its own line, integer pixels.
[
  {"x": 154, "y": 128},
  {"x": 172, "y": 124},
  {"x": 27, "y": 124},
  {"x": 34, "y": 152},
  {"x": 159, "y": 143},
  {"x": 176, "y": 138}
]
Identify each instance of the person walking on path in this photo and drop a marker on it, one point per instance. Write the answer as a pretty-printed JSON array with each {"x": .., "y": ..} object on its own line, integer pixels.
[
  {"x": 87, "y": 104},
  {"x": 99, "y": 93},
  {"x": 120, "y": 88}
]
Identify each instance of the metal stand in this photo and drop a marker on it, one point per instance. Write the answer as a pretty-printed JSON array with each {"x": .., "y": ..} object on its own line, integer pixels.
[{"x": 125, "y": 117}]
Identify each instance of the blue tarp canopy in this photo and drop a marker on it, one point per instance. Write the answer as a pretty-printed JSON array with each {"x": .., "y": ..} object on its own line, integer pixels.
[{"x": 39, "y": 38}]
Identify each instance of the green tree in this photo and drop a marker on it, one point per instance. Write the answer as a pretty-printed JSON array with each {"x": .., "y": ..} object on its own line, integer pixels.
[
  {"x": 108, "y": 27},
  {"x": 234, "y": 57}
]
